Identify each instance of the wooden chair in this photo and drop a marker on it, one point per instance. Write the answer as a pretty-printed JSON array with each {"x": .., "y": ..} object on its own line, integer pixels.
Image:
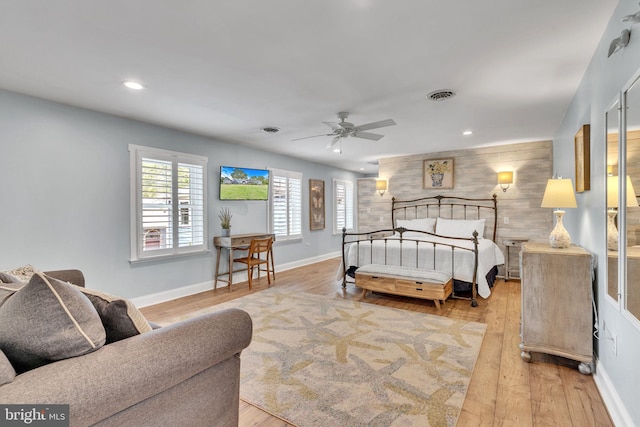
[{"x": 254, "y": 258}]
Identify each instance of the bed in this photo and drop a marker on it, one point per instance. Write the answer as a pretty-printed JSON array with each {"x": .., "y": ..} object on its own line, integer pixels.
[{"x": 450, "y": 234}]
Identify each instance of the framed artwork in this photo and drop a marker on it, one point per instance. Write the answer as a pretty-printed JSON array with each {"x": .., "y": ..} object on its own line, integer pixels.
[
  {"x": 583, "y": 159},
  {"x": 316, "y": 204},
  {"x": 437, "y": 174}
]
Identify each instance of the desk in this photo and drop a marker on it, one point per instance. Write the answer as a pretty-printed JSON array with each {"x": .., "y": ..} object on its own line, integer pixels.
[
  {"x": 236, "y": 241},
  {"x": 508, "y": 268}
]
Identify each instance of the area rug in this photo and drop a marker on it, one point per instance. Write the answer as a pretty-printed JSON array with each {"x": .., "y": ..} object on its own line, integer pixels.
[{"x": 318, "y": 361}]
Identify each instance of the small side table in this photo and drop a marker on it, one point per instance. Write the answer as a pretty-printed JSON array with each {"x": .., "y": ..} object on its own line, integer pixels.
[{"x": 514, "y": 242}]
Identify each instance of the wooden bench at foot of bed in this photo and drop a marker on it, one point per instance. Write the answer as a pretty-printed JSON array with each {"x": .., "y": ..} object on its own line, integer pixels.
[{"x": 406, "y": 281}]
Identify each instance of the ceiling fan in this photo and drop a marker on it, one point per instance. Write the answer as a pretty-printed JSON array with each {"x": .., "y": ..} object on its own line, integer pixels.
[{"x": 344, "y": 129}]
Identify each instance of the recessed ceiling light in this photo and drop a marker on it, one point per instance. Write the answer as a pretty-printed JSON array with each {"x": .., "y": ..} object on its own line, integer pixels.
[
  {"x": 467, "y": 132},
  {"x": 133, "y": 85},
  {"x": 270, "y": 129}
]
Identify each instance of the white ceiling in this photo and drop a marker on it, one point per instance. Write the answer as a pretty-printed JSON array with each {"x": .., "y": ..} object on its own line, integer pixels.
[{"x": 226, "y": 68}]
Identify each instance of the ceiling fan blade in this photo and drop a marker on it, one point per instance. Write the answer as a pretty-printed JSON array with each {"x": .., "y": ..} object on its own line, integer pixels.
[
  {"x": 314, "y": 136},
  {"x": 367, "y": 135},
  {"x": 332, "y": 143},
  {"x": 334, "y": 126},
  {"x": 376, "y": 125}
]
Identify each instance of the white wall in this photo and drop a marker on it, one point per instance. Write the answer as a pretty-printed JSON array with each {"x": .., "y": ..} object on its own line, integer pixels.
[
  {"x": 601, "y": 83},
  {"x": 65, "y": 192}
]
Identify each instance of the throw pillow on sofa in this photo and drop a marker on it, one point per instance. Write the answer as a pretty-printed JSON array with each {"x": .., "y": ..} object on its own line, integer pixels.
[
  {"x": 120, "y": 318},
  {"x": 48, "y": 320},
  {"x": 20, "y": 274}
]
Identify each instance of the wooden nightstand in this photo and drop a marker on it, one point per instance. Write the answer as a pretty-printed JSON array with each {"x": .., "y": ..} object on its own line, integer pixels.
[{"x": 514, "y": 242}]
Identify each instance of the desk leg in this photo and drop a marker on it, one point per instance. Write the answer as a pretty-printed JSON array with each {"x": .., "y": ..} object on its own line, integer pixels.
[
  {"x": 215, "y": 284},
  {"x": 230, "y": 268}
]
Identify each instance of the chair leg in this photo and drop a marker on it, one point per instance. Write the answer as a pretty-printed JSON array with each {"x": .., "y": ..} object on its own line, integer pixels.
[
  {"x": 273, "y": 268},
  {"x": 250, "y": 273}
]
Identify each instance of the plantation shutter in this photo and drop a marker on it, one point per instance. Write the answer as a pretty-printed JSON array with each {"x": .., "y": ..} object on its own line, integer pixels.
[
  {"x": 168, "y": 201},
  {"x": 286, "y": 204},
  {"x": 343, "y": 202}
]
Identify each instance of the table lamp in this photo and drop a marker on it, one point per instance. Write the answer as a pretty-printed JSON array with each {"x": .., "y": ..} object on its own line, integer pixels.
[
  {"x": 612, "y": 208},
  {"x": 559, "y": 194}
]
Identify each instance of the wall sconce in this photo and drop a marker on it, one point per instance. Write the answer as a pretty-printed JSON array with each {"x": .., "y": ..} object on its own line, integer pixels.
[
  {"x": 559, "y": 194},
  {"x": 381, "y": 186},
  {"x": 505, "y": 179}
]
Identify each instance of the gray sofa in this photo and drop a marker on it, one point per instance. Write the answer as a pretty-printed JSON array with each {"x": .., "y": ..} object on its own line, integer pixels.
[{"x": 185, "y": 374}]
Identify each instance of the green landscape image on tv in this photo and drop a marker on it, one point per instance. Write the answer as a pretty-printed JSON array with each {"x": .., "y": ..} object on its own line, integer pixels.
[{"x": 243, "y": 183}]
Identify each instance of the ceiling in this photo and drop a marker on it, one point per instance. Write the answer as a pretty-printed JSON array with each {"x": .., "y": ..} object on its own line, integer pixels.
[{"x": 227, "y": 68}]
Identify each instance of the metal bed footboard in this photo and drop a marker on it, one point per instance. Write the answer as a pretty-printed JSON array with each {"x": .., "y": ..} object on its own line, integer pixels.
[{"x": 419, "y": 238}]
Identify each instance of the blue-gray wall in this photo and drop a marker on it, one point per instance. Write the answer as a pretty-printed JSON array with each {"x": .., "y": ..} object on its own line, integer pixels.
[
  {"x": 617, "y": 375},
  {"x": 65, "y": 189}
]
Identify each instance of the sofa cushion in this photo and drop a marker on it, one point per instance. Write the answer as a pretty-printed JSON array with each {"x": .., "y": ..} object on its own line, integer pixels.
[
  {"x": 48, "y": 320},
  {"x": 120, "y": 318},
  {"x": 7, "y": 373}
]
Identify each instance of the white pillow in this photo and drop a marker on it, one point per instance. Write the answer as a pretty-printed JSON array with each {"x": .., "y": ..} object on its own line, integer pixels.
[
  {"x": 419, "y": 224},
  {"x": 460, "y": 227}
]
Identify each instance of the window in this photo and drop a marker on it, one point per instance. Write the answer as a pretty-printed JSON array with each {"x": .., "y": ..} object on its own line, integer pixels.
[
  {"x": 168, "y": 203},
  {"x": 343, "y": 205},
  {"x": 286, "y": 204}
]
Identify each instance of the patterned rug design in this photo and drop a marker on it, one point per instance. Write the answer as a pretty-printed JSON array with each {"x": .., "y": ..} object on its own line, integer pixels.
[{"x": 317, "y": 361}]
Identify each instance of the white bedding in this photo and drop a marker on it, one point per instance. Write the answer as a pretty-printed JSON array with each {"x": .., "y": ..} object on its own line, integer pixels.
[{"x": 489, "y": 255}]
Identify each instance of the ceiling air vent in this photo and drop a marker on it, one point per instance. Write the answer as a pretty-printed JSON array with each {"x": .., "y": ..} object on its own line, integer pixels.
[
  {"x": 270, "y": 129},
  {"x": 441, "y": 95}
]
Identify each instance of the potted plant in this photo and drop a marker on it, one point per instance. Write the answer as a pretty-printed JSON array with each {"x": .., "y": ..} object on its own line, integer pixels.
[{"x": 225, "y": 221}]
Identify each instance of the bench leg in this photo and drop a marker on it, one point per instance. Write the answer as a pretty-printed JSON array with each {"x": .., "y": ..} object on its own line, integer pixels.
[
  {"x": 437, "y": 303},
  {"x": 364, "y": 293}
]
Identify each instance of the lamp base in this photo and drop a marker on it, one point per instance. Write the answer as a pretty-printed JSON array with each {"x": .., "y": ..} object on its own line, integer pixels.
[
  {"x": 559, "y": 237},
  {"x": 612, "y": 230}
]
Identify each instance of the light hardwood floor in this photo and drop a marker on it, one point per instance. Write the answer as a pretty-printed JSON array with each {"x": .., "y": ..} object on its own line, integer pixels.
[{"x": 504, "y": 390}]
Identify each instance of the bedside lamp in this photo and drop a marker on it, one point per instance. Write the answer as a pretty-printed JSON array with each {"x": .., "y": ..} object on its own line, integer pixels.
[
  {"x": 559, "y": 194},
  {"x": 612, "y": 208}
]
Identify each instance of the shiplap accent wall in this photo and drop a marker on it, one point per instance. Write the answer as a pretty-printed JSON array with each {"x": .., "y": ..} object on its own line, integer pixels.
[{"x": 476, "y": 176}]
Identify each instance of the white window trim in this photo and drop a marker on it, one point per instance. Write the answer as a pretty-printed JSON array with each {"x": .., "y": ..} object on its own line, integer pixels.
[
  {"x": 288, "y": 175},
  {"x": 346, "y": 183},
  {"x": 136, "y": 153}
]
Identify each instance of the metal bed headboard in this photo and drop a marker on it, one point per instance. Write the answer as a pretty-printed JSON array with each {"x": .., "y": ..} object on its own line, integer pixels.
[{"x": 446, "y": 207}]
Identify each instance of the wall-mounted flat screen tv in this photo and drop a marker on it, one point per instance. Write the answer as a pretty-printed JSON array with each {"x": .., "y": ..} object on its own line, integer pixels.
[{"x": 243, "y": 183}]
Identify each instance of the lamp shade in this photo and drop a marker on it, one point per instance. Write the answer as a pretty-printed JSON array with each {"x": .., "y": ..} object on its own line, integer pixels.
[
  {"x": 612, "y": 193},
  {"x": 559, "y": 194},
  {"x": 505, "y": 177},
  {"x": 381, "y": 184}
]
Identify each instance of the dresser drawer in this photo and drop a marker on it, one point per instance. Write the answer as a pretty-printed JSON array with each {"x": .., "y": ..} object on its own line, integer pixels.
[{"x": 376, "y": 283}]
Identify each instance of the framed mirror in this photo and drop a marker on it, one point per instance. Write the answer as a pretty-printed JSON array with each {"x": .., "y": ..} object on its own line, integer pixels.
[
  {"x": 613, "y": 141},
  {"x": 631, "y": 286}
]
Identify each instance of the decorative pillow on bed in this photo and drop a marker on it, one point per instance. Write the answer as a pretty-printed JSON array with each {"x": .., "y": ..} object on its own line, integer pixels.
[
  {"x": 48, "y": 320},
  {"x": 460, "y": 227},
  {"x": 420, "y": 224}
]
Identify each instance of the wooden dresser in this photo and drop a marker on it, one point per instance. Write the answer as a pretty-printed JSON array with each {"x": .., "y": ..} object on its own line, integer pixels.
[{"x": 557, "y": 303}]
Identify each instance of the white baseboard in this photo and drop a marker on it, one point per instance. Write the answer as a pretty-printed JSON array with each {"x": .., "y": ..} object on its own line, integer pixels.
[
  {"x": 617, "y": 411},
  {"x": 171, "y": 294}
]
